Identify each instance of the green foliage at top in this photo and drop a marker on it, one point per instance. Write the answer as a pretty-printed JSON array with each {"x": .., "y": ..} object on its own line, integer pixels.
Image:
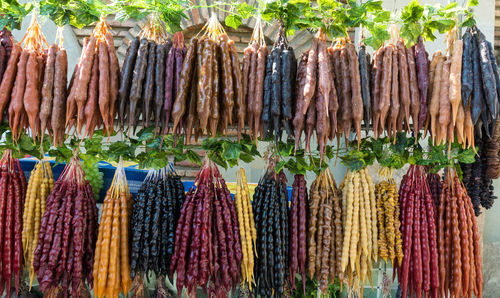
[
  {"x": 425, "y": 20},
  {"x": 171, "y": 12},
  {"x": 76, "y": 13},
  {"x": 12, "y": 13},
  {"x": 369, "y": 15}
]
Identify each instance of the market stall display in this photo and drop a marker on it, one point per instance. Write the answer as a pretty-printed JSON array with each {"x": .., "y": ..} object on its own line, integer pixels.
[{"x": 166, "y": 92}]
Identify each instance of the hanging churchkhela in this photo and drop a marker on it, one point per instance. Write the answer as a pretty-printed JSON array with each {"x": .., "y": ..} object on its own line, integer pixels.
[
  {"x": 399, "y": 86},
  {"x": 360, "y": 232},
  {"x": 22, "y": 81},
  {"x": 111, "y": 268},
  {"x": 277, "y": 104},
  {"x": 210, "y": 87},
  {"x": 64, "y": 255},
  {"x": 390, "y": 247},
  {"x": 6, "y": 44},
  {"x": 253, "y": 73},
  {"x": 248, "y": 233},
  {"x": 270, "y": 205},
  {"x": 475, "y": 176},
  {"x": 208, "y": 251},
  {"x": 325, "y": 232},
  {"x": 53, "y": 92},
  {"x": 93, "y": 89},
  {"x": 149, "y": 77},
  {"x": 12, "y": 194},
  {"x": 155, "y": 212},
  {"x": 40, "y": 186},
  {"x": 419, "y": 271},
  {"x": 298, "y": 230},
  {"x": 460, "y": 261}
]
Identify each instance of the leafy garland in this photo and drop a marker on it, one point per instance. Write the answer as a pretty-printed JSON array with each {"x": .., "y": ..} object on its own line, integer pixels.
[{"x": 404, "y": 150}]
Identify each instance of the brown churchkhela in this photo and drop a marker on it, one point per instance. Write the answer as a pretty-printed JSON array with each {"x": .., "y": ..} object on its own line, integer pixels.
[{"x": 218, "y": 86}]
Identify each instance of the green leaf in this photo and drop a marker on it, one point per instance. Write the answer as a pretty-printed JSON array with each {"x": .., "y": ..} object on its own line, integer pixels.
[
  {"x": 193, "y": 156},
  {"x": 245, "y": 10},
  {"x": 230, "y": 151},
  {"x": 382, "y": 17},
  {"x": 146, "y": 134},
  {"x": 472, "y": 3},
  {"x": 413, "y": 12},
  {"x": 233, "y": 21},
  {"x": 279, "y": 166},
  {"x": 467, "y": 156},
  {"x": 218, "y": 160},
  {"x": 245, "y": 157}
]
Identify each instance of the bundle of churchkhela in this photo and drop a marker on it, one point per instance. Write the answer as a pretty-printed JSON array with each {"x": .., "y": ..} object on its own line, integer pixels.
[
  {"x": 210, "y": 86},
  {"x": 270, "y": 205},
  {"x": 325, "y": 231},
  {"x": 459, "y": 247},
  {"x": 390, "y": 243},
  {"x": 298, "y": 230},
  {"x": 476, "y": 176},
  {"x": 316, "y": 95},
  {"x": 155, "y": 212},
  {"x": 359, "y": 221},
  {"x": 399, "y": 86},
  {"x": 253, "y": 80},
  {"x": 93, "y": 89},
  {"x": 419, "y": 272},
  {"x": 53, "y": 92},
  {"x": 64, "y": 255},
  {"x": 449, "y": 117},
  {"x": 248, "y": 233},
  {"x": 40, "y": 186},
  {"x": 12, "y": 194},
  {"x": 23, "y": 80},
  {"x": 480, "y": 81},
  {"x": 207, "y": 251},
  {"x": 277, "y": 104},
  {"x": 111, "y": 268},
  {"x": 150, "y": 77}
]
